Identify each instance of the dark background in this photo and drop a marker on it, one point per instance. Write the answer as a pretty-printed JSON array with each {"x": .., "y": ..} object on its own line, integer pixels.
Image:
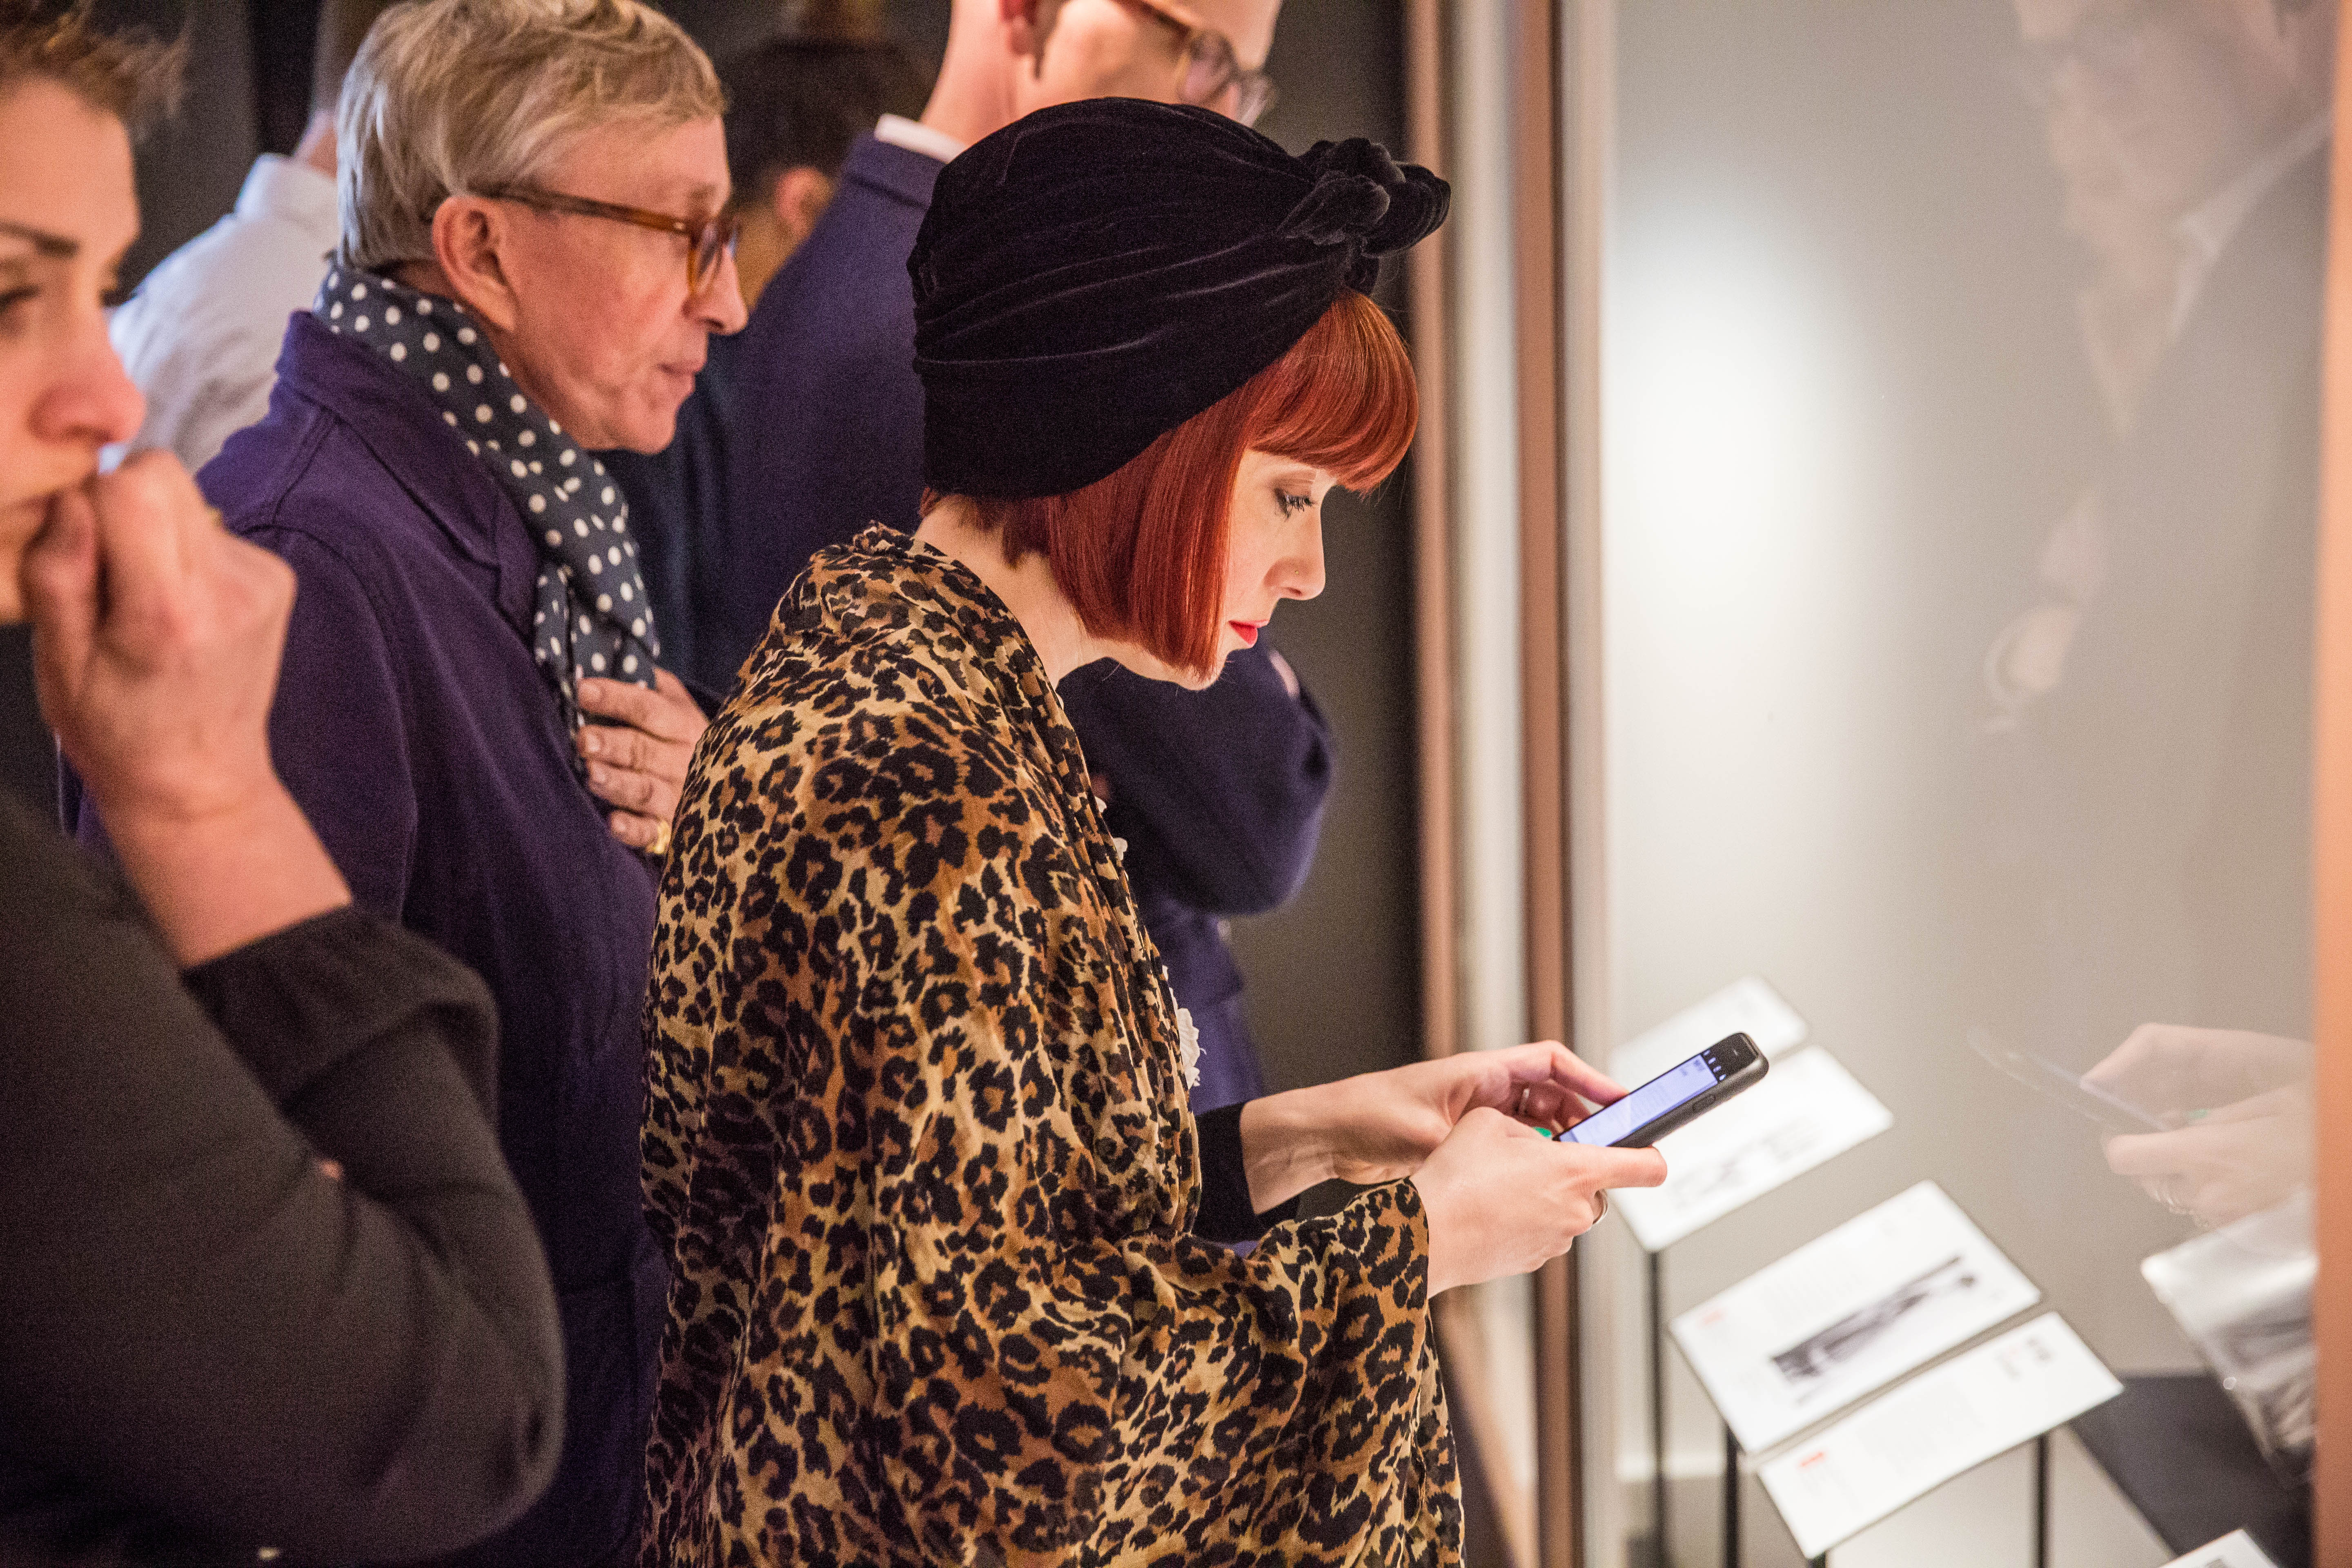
[{"x": 1334, "y": 979}]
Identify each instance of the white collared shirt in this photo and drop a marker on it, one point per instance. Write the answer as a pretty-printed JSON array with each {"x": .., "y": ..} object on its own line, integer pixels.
[
  {"x": 2206, "y": 230},
  {"x": 200, "y": 336},
  {"x": 917, "y": 137}
]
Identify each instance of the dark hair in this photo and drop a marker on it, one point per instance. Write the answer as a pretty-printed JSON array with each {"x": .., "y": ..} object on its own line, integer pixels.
[
  {"x": 342, "y": 27},
  {"x": 129, "y": 73},
  {"x": 799, "y": 102}
]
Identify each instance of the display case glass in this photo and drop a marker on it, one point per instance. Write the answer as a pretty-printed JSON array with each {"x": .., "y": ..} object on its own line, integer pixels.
[{"x": 1959, "y": 399}]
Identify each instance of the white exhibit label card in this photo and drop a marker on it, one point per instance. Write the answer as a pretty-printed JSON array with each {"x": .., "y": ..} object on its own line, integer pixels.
[
  {"x": 2235, "y": 1550},
  {"x": 1947, "y": 1420},
  {"x": 1848, "y": 1313},
  {"x": 1808, "y": 1111},
  {"x": 1749, "y": 1006}
]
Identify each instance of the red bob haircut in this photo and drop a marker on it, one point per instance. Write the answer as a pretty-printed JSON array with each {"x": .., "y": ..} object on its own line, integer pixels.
[{"x": 1141, "y": 553}]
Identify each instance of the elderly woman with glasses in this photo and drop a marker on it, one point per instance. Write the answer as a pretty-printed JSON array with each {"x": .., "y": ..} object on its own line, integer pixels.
[{"x": 472, "y": 713}]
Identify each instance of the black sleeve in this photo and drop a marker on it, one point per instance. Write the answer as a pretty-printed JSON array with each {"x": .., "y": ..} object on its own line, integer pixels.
[
  {"x": 1218, "y": 792},
  {"x": 204, "y": 1325},
  {"x": 1225, "y": 1213}
]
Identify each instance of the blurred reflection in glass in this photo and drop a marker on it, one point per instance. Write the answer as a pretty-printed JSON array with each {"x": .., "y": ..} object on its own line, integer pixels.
[
  {"x": 2149, "y": 707},
  {"x": 2237, "y": 1110},
  {"x": 2243, "y": 1297}
]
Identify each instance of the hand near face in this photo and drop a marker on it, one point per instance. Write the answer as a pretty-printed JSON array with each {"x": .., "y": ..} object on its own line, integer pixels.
[
  {"x": 637, "y": 763},
  {"x": 156, "y": 641}
]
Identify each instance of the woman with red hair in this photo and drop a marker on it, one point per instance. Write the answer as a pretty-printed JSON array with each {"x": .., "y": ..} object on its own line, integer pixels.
[{"x": 944, "y": 1230}]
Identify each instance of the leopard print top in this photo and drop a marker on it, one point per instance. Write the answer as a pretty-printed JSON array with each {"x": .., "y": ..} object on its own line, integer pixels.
[{"x": 917, "y": 1141}]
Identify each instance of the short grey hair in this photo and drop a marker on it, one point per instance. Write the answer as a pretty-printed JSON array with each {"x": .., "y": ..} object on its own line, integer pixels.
[{"x": 458, "y": 97}]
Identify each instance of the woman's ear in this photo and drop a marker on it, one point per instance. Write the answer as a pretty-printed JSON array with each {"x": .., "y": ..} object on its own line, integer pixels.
[{"x": 469, "y": 235}]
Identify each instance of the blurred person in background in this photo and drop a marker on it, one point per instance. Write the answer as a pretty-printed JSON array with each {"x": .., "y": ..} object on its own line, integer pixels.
[
  {"x": 1218, "y": 794},
  {"x": 200, "y": 337},
  {"x": 270, "y": 1285},
  {"x": 534, "y": 252},
  {"x": 825, "y": 364},
  {"x": 795, "y": 104},
  {"x": 2151, "y": 707}
]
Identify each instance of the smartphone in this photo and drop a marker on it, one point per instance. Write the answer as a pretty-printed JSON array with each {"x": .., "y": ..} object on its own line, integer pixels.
[
  {"x": 1673, "y": 1097},
  {"x": 2046, "y": 1078}
]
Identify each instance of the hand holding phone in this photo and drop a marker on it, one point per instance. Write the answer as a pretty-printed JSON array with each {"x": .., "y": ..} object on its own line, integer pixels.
[
  {"x": 1675, "y": 1096},
  {"x": 1501, "y": 1198}
]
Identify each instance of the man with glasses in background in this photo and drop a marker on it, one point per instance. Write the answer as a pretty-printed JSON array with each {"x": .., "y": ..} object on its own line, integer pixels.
[
  {"x": 1219, "y": 794},
  {"x": 827, "y": 365},
  {"x": 796, "y": 103},
  {"x": 2148, "y": 745}
]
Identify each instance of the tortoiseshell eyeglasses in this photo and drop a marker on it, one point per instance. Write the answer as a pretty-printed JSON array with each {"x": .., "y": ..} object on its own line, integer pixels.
[
  {"x": 1210, "y": 69},
  {"x": 705, "y": 241}
]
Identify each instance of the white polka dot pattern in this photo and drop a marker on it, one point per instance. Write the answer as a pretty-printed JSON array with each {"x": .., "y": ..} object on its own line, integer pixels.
[{"x": 582, "y": 566}]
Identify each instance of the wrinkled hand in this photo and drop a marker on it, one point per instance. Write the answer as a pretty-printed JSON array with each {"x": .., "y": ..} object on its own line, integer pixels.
[
  {"x": 1501, "y": 1198},
  {"x": 156, "y": 639},
  {"x": 638, "y": 763},
  {"x": 1384, "y": 1124}
]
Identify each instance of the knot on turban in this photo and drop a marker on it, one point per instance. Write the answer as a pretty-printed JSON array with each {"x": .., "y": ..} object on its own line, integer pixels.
[
  {"x": 1094, "y": 275},
  {"x": 1362, "y": 197}
]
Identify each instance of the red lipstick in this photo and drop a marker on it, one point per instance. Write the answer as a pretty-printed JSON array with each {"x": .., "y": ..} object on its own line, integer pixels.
[{"x": 1246, "y": 631}]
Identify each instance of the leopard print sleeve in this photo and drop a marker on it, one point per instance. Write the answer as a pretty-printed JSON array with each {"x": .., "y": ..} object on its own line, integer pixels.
[{"x": 917, "y": 1140}]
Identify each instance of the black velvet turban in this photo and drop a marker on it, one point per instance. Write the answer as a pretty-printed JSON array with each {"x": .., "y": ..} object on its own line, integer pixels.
[{"x": 1097, "y": 273}]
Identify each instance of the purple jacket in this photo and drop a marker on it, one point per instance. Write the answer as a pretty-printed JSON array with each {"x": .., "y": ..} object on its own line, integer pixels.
[{"x": 428, "y": 752}]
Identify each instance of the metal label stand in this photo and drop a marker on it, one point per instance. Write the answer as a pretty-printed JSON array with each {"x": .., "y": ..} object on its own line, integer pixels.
[
  {"x": 2041, "y": 1501},
  {"x": 1732, "y": 1542},
  {"x": 1658, "y": 1404}
]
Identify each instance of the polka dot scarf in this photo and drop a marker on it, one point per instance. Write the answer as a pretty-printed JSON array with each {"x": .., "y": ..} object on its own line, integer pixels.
[{"x": 591, "y": 616}]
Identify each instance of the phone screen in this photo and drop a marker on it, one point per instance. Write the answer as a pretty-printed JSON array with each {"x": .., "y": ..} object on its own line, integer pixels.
[{"x": 1646, "y": 1104}]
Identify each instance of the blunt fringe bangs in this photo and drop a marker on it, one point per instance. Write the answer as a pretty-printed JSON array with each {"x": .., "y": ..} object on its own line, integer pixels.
[{"x": 1141, "y": 553}]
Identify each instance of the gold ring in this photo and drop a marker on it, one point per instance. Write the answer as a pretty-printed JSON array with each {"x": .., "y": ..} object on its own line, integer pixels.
[{"x": 659, "y": 847}]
